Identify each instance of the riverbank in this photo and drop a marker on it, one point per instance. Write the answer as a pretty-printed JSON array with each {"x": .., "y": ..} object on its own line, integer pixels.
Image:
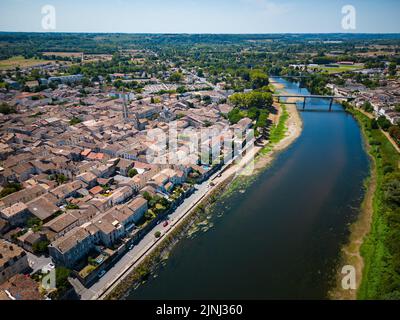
[
  {"x": 289, "y": 120},
  {"x": 373, "y": 242},
  {"x": 351, "y": 252},
  {"x": 282, "y": 135}
]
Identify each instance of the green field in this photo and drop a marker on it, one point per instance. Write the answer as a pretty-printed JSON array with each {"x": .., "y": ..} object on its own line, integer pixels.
[
  {"x": 20, "y": 61},
  {"x": 339, "y": 69},
  {"x": 380, "y": 249}
]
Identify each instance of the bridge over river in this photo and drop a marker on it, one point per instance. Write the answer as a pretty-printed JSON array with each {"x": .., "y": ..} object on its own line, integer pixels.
[{"x": 312, "y": 96}]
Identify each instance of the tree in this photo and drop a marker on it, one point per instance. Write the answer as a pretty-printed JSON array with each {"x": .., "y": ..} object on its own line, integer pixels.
[
  {"x": 367, "y": 106},
  {"x": 235, "y": 115},
  {"x": 374, "y": 124},
  {"x": 253, "y": 113},
  {"x": 10, "y": 188},
  {"x": 251, "y": 99},
  {"x": 72, "y": 206},
  {"x": 74, "y": 121},
  {"x": 32, "y": 222},
  {"x": 176, "y": 77},
  {"x": 40, "y": 246},
  {"x": 392, "y": 69},
  {"x": 157, "y": 234},
  {"x": 207, "y": 99},
  {"x": 207, "y": 123},
  {"x": 392, "y": 192},
  {"x": 262, "y": 120},
  {"x": 6, "y": 109},
  {"x": 181, "y": 89},
  {"x": 147, "y": 196},
  {"x": 258, "y": 79},
  {"x": 384, "y": 123},
  {"x": 132, "y": 172},
  {"x": 62, "y": 275},
  {"x": 394, "y": 132},
  {"x": 59, "y": 178}
]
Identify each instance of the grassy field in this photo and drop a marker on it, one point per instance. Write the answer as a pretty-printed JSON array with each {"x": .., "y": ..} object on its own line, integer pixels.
[
  {"x": 19, "y": 61},
  {"x": 64, "y": 54},
  {"x": 339, "y": 69}
]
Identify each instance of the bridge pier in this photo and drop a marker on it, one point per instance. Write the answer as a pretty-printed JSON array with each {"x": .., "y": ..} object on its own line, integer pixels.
[
  {"x": 330, "y": 105},
  {"x": 304, "y": 103}
]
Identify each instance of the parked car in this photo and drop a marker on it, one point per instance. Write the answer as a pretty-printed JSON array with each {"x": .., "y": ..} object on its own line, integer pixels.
[
  {"x": 165, "y": 224},
  {"x": 102, "y": 273}
]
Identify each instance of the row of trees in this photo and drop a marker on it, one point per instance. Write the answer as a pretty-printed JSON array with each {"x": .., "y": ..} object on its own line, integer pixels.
[{"x": 258, "y": 99}]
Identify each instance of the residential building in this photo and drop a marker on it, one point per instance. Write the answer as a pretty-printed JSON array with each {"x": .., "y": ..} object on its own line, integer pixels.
[{"x": 13, "y": 260}]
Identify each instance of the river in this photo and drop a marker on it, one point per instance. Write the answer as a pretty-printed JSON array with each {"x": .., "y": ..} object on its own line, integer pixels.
[{"x": 280, "y": 237}]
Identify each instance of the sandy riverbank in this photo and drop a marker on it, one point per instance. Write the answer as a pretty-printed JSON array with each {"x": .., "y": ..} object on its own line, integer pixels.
[
  {"x": 278, "y": 86},
  {"x": 351, "y": 252},
  {"x": 294, "y": 126}
]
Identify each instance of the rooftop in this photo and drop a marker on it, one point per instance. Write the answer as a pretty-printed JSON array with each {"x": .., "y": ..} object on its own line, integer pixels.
[{"x": 9, "y": 251}]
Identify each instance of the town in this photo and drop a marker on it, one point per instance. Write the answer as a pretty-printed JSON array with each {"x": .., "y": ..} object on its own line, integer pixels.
[
  {"x": 79, "y": 191},
  {"x": 77, "y": 183}
]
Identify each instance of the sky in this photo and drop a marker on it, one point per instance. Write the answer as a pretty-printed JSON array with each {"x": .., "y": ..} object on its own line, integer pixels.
[{"x": 199, "y": 16}]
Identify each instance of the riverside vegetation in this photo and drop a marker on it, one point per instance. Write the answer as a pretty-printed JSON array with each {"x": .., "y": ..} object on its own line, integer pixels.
[{"x": 381, "y": 247}]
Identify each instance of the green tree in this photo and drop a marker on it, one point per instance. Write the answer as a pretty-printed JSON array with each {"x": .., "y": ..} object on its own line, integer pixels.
[
  {"x": 62, "y": 275},
  {"x": 251, "y": 99},
  {"x": 394, "y": 132},
  {"x": 10, "y": 188},
  {"x": 384, "y": 123},
  {"x": 367, "y": 106},
  {"x": 181, "y": 89},
  {"x": 34, "y": 223},
  {"x": 374, "y": 124},
  {"x": 132, "y": 172},
  {"x": 147, "y": 196},
  {"x": 258, "y": 79},
  {"x": 6, "y": 109},
  {"x": 392, "y": 69},
  {"x": 235, "y": 115},
  {"x": 40, "y": 246},
  {"x": 72, "y": 206},
  {"x": 74, "y": 121},
  {"x": 176, "y": 77}
]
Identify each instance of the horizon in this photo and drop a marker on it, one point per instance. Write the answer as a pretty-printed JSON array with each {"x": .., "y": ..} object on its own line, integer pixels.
[
  {"x": 208, "y": 33},
  {"x": 201, "y": 17}
]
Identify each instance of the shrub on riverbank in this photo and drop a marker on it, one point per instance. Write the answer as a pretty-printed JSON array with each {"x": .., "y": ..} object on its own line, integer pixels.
[
  {"x": 381, "y": 248},
  {"x": 277, "y": 133}
]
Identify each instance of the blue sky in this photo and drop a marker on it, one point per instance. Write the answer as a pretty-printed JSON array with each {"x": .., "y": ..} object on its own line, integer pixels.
[{"x": 201, "y": 16}]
